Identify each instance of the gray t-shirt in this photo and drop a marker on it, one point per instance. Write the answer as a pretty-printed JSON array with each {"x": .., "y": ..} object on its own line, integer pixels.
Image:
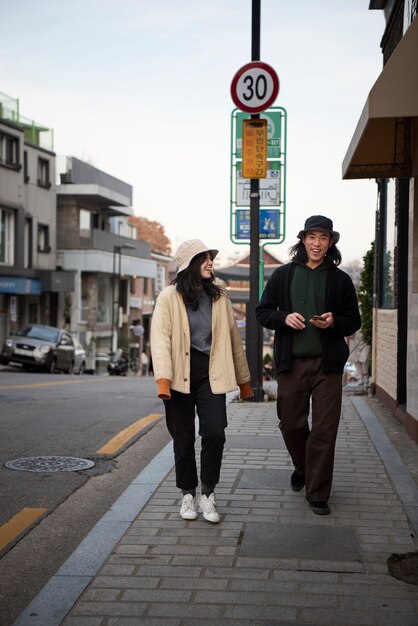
[{"x": 200, "y": 323}]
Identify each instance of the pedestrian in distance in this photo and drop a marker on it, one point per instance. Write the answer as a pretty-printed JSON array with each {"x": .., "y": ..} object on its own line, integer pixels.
[
  {"x": 144, "y": 360},
  {"x": 198, "y": 357},
  {"x": 311, "y": 304}
]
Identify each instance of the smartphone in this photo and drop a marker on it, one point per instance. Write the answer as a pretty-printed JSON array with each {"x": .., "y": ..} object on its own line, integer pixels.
[{"x": 319, "y": 317}]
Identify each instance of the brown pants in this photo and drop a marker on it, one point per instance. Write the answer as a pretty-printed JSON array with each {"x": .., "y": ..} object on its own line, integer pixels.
[{"x": 312, "y": 449}]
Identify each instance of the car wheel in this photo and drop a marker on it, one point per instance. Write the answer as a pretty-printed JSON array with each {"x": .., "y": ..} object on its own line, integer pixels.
[{"x": 53, "y": 367}]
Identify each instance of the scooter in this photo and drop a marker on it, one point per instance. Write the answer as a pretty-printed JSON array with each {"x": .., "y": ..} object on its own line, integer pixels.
[{"x": 118, "y": 364}]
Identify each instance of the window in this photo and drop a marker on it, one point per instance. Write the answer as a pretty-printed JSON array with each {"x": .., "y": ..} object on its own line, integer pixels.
[
  {"x": 28, "y": 242},
  {"x": 25, "y": 167},
  {"x": 385, "y": 274},
  {"x": 388, "y": 256},
  {"x": 132, "y": 231},
  {"x": 44, "y": 173},
  {"x": 85, "y": 223},
  {"x": 6, "y": 237},
  {"x": 43, "y": 238},
  {"x": 104, "y": 299},
  {"x": 9, "y": 151}
]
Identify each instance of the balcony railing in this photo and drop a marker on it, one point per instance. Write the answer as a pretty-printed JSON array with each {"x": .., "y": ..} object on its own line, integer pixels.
[
  {"x": 101, "y": 240},
  {"x": 35, "y": 133}
]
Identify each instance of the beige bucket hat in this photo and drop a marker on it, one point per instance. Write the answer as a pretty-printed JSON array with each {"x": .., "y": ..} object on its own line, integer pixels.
[{"x": 188, "y": 250}]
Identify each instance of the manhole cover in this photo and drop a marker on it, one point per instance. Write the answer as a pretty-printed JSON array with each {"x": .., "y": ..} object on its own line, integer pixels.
[
  {"x": 404, "y": 567},
  {"x": 49, "y": 464}
]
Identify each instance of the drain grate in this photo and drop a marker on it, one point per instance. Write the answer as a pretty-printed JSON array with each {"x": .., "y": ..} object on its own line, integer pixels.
[
  {"x": 404, "y": 567},
  {"x": 46, "y": 464}
]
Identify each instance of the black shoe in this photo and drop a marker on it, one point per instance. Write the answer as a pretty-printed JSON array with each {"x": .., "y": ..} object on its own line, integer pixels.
[
  {"x": 320, "y": 508},
  {"x": 297, "y": 481}
]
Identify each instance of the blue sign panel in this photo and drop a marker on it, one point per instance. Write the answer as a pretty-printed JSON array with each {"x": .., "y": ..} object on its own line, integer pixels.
[
  {"x": 20, "y": 286},
  {"x": 269, "y": 224}
]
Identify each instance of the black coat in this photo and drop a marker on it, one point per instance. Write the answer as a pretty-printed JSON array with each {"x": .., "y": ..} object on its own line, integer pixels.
[{"x": 340, "y": 299}]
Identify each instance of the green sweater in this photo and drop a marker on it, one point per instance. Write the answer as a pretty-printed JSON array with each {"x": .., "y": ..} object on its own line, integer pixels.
[{"x": 307, "y": 293}]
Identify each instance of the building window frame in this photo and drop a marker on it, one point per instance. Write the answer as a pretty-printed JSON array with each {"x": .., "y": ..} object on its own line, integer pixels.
[
  {"x": 26, "y": 176},
  {"x": 44, "y": 173},
  {"x": 9, "y": 151},
  {"x": 7, "y": 220},
  {"x": 43, "y": 238},
  {"x": 28, "y": 242}
]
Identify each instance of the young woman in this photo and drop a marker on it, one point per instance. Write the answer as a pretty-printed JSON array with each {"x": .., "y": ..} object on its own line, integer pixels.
[{"x": 198, "y": 357}]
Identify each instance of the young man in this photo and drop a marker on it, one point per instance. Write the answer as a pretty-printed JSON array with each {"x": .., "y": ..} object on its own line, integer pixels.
[{"x": 312, "y": 306}]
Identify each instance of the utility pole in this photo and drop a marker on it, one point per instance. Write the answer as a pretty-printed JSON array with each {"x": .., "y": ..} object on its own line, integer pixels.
[
  {"x": 254, "y": 88},
  {"x": 254, "y": 332}
]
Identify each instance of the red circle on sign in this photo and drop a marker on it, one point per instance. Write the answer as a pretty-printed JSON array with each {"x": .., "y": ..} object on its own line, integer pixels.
[{"x": 257, "y": 97}]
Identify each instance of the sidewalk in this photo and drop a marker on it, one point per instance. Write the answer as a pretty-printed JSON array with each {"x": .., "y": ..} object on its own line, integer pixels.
[{"x": 270, "y": 561}]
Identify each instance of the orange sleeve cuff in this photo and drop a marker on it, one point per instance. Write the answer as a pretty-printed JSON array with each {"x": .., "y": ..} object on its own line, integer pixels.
[
  {"x": 164, "y": 391},
  {"x": 246, "y": 391}
]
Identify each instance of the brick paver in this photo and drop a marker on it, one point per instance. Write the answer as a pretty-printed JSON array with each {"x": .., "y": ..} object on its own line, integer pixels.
[{"x": 166, "y": 571}]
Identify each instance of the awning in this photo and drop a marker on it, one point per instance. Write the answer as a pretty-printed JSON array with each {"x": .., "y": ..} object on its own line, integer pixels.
[{"x": 381, "y": 144}]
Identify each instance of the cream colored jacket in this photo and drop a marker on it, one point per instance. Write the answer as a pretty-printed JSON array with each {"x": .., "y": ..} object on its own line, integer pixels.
[{"x": 170, "y": 347}]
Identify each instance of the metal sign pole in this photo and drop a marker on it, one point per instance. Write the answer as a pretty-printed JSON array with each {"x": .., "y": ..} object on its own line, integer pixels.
[{"x": 254, "y": 334}]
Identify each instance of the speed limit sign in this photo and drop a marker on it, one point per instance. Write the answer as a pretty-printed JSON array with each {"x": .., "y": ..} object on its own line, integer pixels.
[{"x": 254, "y": 87}]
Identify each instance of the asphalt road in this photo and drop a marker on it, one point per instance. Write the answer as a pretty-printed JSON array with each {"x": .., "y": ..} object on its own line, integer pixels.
[{"x": 68, "y": 416}]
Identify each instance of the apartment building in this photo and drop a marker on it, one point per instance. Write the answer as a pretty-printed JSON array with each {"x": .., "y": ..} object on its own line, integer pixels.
[{"x": 30, "y": 284}]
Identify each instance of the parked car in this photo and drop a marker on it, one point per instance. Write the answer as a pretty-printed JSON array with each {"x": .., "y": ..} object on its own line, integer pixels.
[
  {"x": 40, "y": 347},
  {"x": 79, "y": 357}
]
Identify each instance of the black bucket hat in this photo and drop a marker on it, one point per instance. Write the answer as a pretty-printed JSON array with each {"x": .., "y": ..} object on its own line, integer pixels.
[{"x": 319, "y": 222}]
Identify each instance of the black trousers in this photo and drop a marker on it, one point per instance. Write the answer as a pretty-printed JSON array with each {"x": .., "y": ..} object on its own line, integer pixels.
[
  {"x": 312, "y": 449},
  {"x": 180, "y": 413}
]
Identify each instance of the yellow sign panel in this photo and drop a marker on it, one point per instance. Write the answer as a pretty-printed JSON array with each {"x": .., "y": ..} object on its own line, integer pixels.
[{"x": 254, "y": 148}]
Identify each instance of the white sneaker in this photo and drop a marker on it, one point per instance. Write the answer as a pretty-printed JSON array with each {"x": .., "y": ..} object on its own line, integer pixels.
[
  {"x": 208, "y": 508},
  {"x": 188, "y": 507}
]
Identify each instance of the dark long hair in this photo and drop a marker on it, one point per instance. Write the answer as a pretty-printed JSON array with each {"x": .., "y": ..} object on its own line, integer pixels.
[
  {"x": 189, "y": 283},
  {"x": 297, "y": 252}
]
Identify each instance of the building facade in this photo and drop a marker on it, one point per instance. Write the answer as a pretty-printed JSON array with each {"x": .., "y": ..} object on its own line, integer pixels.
[
  {"x": 108, "y": 265},
  {"x": 30, "y": 283},
  {"x": 384, "y": 147}
]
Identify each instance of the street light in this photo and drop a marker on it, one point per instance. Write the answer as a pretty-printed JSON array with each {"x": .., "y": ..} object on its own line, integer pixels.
[{"x": 117, "y": 249}]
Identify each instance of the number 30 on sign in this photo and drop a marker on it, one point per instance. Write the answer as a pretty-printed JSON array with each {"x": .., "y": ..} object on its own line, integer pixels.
[{"x": 255, "y": 87}]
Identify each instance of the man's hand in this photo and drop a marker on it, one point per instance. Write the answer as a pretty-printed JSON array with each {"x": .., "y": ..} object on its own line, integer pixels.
[
  {"x": 295, "y": 321},
  {"x": 325, "y": 320}
]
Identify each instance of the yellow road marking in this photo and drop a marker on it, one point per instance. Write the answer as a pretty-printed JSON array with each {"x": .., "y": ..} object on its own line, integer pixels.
[
  {"x": 18, "y": 523},
  {"x": 50, "y": 384},
  {"x": 117, "y": 442}
]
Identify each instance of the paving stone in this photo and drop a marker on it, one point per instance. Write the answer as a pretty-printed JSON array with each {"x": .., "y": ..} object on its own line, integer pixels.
[
  {"x": 109, "y": 609},
  {"x": 257, "y": 613},
  {"x": 177, "y": 610},
  {"x": 156, "y": 595},
  {"x": 123, "y": 582},
  {"x": 218, "y": 584},
  {"x": 255, "y": 442},
  {"x": 303, "y": 541},
  {"x": 147, "y": 621}
]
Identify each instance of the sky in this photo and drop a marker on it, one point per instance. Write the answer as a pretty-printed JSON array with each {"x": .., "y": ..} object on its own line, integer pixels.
[{"x": 141, "y": 90}]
